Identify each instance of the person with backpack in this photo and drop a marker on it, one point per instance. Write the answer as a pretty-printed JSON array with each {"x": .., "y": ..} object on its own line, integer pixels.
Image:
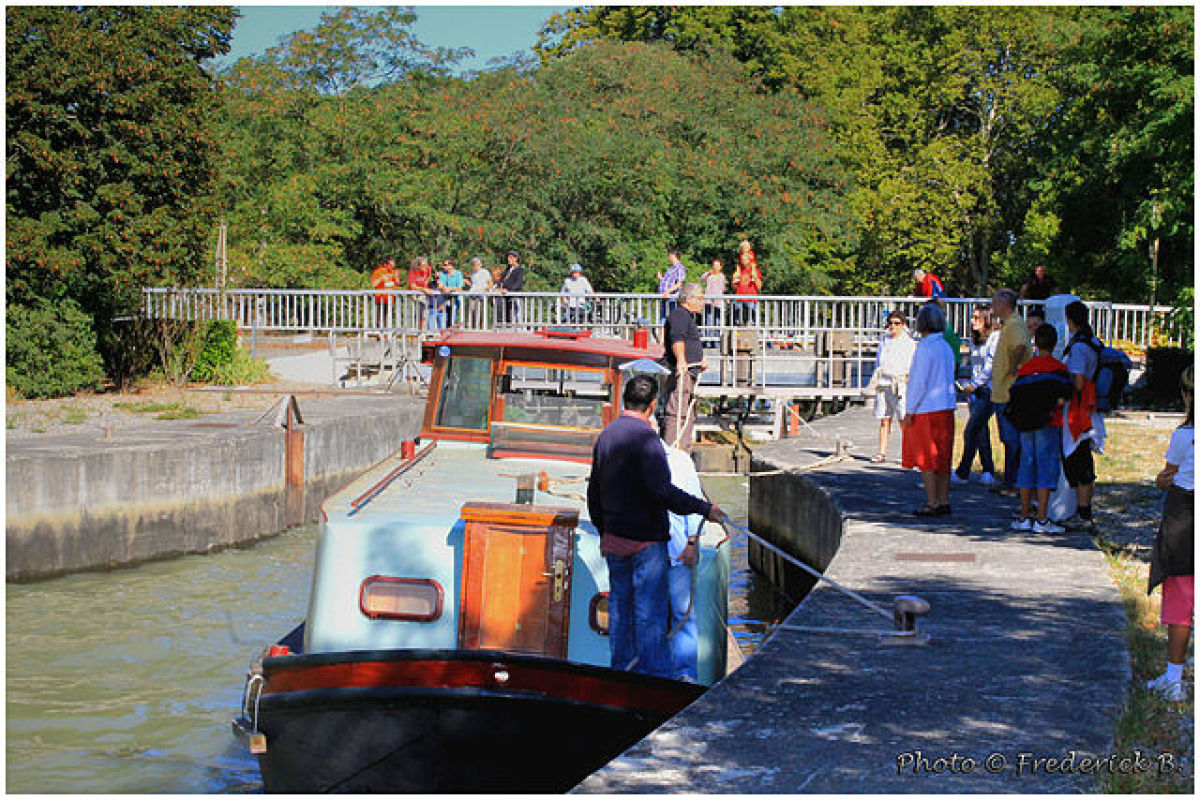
[
  {"x": 1084, "y": 430},
  {"x": 1034, "y": 403}
]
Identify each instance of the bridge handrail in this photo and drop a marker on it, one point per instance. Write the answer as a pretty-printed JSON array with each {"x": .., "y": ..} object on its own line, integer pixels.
[{"x": 802, "y": 319}]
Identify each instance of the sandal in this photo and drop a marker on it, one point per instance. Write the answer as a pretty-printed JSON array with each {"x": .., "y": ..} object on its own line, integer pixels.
[
  {"x": 942, "y": 511},
  {"x": 926, "y": 511},
  {"x": 878, "y": 458}
]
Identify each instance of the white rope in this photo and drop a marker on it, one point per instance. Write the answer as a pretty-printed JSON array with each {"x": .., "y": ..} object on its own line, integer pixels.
[{"x": 819, "y": 576}]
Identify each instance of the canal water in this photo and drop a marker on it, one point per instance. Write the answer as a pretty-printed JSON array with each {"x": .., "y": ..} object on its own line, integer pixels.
[{"x": 126, "y": 681}]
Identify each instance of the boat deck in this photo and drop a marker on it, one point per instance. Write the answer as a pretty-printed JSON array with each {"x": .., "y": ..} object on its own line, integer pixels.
[{"x": 456, "y": 471}]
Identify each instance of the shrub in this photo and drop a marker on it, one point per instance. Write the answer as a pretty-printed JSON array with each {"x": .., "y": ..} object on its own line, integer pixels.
[
  {"x": 220, "y": 347},
  {"x": 222, "y": 361},
  {"x": 51, "y": 350}
]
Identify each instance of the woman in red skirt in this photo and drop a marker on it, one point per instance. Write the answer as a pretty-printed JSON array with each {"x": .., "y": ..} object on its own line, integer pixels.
[{"x": 928, "y": 422}]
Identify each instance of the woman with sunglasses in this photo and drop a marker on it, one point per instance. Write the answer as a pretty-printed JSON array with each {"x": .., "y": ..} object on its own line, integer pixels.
[
  {"x": 976, "y": 437},
  {"x": 896, "y": 348}
]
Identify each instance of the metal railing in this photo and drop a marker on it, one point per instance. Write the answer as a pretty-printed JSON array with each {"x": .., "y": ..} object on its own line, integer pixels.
[{"x": 798, "y": 321}]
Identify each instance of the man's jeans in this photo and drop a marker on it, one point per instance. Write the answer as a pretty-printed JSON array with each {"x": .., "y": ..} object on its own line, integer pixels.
[
  {"x": 639, "y": 610},
  {"x": 685, "y": 643},
  {"x": 1011, "y": 437},
  {"x": 976, "y": 435}
]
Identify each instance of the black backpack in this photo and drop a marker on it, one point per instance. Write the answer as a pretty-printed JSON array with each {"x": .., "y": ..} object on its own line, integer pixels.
[{"x": 1112, "y": 374}]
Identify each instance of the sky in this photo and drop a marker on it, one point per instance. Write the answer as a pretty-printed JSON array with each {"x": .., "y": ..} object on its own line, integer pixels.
[{"x": 490, "y": 30}]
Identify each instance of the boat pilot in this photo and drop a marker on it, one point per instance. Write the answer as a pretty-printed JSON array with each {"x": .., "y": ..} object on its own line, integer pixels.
[{"x": 629, "y": 495}]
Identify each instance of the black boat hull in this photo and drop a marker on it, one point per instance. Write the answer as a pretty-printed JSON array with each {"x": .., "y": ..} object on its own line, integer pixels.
[{"x": 450, "y": 721}]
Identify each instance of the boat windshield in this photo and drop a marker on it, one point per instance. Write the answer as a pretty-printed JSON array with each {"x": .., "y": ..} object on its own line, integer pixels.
[
  {"x": 563, "y": 397},
  {"x": 464, "y": 396}
]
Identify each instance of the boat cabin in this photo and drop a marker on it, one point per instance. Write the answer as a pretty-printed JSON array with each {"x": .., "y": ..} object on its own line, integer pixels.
[{"x": 540, "y": 395}]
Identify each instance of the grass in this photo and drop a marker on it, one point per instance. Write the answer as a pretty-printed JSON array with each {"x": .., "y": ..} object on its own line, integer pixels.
[
  {"x": 162, "y": 410},
  {"x": 73, "y": 416}
]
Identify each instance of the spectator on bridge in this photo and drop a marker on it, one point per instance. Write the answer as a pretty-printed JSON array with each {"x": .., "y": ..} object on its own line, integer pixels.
[
  {"x": 1038, "y": 287},
  {"x": 450, "y": 284},
  {"x": 747, "y": 282},
  {"x": 480, "y": 283},
  {"x": 926, "y": 284},
  {"x": 1012, "y": 350},
  {"x": 384, "y": 279},
  {"x": 976, "y": 436},
  {"x": 419, "y": 274},
  {"x": 513, "y": 280},
  {"x": 714, "y": 287},
  {"x": 928, "y": 420},
  {"x": 670, "y": 283},
  {"x": 575, "y": 290},
  {"x": 1173, "y": 560},
  {"x": 892, "y": 363}
]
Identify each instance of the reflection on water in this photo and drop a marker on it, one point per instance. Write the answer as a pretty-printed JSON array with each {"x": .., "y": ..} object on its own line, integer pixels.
[{"x": 126, "y": 681}]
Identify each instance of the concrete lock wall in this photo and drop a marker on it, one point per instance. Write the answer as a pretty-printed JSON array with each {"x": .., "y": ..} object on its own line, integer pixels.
[
  {"x": 797, "y": 516},
  {"x": 180, "y": 491}
]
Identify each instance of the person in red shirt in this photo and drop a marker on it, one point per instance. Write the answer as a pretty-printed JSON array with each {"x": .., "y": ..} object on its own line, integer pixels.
[
  {"x": 927, "y": 284},
  {"x": 747, "y": 282},
  {"x": 1035, "y": 403},
  {"x": 384, "y": 279},
  {"x": 418, "y": 281}
]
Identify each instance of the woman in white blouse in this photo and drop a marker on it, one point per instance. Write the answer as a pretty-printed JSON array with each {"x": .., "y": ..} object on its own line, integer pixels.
[{"x": 929, "y": 412}]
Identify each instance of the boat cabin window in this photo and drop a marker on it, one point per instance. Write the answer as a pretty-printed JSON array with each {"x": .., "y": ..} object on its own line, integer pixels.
[
  {"x": 466, "y": 392},
  {"x": 559, "y": 396}
]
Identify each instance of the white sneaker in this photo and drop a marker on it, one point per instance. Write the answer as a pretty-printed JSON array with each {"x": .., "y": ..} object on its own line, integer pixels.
[
  {"x": 1046, "y": 526},
  {"x": 1024, "y": 525},
  {"x": 987, "y": 479},
  {"x": 957, "y": 481},
  {"x": 1168, "y": 690}
]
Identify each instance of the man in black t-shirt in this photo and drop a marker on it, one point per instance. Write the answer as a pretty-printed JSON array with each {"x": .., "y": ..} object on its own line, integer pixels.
[
  {"x": 684, "y": 356},
  {"x": 1040, "y": 286}
]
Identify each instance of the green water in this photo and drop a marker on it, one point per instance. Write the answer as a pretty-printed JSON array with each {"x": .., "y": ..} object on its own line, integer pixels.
[{"x": 126, "y": 681}]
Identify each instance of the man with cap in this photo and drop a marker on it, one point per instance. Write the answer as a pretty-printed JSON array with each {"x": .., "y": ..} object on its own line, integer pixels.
[
  {"x": 513, "y": 280},
  {"x": 574, "y": 289}
]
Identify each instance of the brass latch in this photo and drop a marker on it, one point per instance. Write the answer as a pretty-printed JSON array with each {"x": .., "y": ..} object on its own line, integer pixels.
[{"x": 560, "y": 579}]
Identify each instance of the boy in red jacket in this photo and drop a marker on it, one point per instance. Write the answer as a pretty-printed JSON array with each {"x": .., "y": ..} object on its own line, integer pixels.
[{"x": 1035, "y": 402}]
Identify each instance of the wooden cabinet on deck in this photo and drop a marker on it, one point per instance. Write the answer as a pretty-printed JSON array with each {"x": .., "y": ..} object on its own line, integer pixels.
[{"x": 516, "y": 584}]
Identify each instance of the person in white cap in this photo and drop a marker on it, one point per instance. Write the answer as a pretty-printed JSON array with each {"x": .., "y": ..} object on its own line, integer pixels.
[{"x": 574, "y": 289}]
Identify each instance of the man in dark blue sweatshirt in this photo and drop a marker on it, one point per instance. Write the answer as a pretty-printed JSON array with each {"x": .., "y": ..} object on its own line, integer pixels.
[{"x": 629, "y": 495}]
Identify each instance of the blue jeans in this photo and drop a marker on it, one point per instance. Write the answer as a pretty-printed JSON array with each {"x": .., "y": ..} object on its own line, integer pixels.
[
  {"x": 1041, "y": 458},
  {"x": 1011, "y": 437},
  {"x": 686, "y": 641},
  {"x": 976, "y": 436},
  {"x": 638, "y": 611}
]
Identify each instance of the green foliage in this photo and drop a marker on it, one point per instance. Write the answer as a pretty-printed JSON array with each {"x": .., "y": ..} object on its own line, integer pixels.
[
  {"x": 220, "y": 346},
  {"x": 1183, "y": 316},
  {"x": 50, "y": 350},
  {"x": 222, "y": 361},
  {"x": 109, "y": 152}
]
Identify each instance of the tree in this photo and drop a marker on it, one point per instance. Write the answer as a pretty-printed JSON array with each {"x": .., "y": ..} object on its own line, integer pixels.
[
  {"x": 109, "y": 151},
  {"x": 1119, "y": 172}
]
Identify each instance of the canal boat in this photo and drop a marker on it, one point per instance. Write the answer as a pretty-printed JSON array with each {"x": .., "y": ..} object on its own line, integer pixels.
[{"x": 456, "y": 634}]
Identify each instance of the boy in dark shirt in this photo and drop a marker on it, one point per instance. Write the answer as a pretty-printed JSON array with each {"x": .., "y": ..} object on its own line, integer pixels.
[{"x": 1034, "y": 406}]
